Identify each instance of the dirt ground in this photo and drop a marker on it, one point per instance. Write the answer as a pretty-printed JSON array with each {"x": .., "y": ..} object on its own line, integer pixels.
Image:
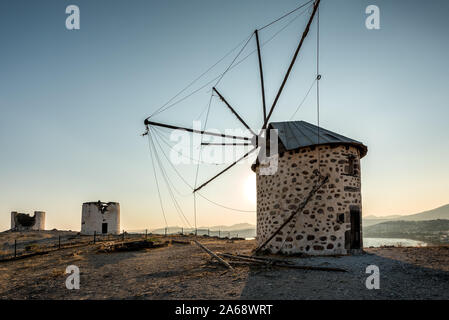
[{"x": 181, "y": 271}]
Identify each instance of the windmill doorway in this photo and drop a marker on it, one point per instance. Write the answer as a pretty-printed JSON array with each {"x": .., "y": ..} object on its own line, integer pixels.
[
  {"x": 104, "y": 228},
  {"x": 355, "y": 238}
]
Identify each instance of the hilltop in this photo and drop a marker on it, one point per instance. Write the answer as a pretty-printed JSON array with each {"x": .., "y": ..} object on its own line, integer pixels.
[
  {"x": 433, "y": 231},
  {"x": 434, "y": 214},
  {"x": 181, "y": 270}
]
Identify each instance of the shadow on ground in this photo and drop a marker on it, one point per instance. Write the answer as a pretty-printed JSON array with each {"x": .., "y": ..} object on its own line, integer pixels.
[{"x": 398, "y": 280}]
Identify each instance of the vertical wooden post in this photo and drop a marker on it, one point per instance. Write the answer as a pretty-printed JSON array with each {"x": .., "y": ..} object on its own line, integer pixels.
[
  {"x": 123, "y": 238},
  {"x": 146, "y": 233},
  {"x": 295, "y": 55},
  {"x": 261, "y": 77},
  {"x": 165, "y": 231},
  {"x": 15, "y": 248}
]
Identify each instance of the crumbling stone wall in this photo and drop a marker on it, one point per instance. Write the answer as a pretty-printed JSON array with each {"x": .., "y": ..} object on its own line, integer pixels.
[
  {"x": 323, "y": 227},
  {"x": 25, "y": 222},
  {"x": 95, "y": 214}
]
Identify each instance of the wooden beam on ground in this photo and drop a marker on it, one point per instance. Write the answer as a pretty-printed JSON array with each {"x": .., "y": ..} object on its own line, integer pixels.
[
  {"x": 264, "y": 258},
  {"x": 293, "y": 266},
  {"x": 276, "y": 263},
  {"x": 246, "y": 259},
  {"x": 213, "y": 255}
]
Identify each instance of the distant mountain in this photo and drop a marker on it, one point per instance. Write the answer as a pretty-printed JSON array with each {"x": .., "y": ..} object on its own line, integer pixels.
[
  {"x": 248, "y": 230},
  {"x": 372, "y": 220},
  {"x": 372, "y": 217},
  {"x": 244, "y": 230},
  {"x": 407, "y": 227},
  {"x": 238, "y": 226},
  {"x": 433, "y": 231},
  {"x": 437, "y": 213}
]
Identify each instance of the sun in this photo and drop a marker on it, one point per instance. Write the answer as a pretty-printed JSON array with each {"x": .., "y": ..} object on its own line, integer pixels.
[{"x": 250, "y": 188}]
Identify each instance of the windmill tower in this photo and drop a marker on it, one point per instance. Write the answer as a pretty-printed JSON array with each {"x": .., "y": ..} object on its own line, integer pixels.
[
  {"x": 311, "y": 202},
  {"x": 324, "y": 221}
]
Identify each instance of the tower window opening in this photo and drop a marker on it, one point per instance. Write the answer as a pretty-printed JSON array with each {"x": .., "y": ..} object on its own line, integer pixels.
[{"x": 351, "y": 167}]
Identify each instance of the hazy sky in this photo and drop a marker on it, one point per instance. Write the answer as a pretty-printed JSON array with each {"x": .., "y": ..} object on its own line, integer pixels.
[{"x": 73, "y": 102}]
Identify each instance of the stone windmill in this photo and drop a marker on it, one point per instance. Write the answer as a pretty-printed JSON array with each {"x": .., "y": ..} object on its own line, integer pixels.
[
  {"x": 316, "y": 217},
  {"x": 311, "y": 202}
]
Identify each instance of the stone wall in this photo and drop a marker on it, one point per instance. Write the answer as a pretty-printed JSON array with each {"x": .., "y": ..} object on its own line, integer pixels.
[
  {"x": 24, "y": 222},
  {"x": 95, "y": 214},
  {"x": 320, "y": 228}
]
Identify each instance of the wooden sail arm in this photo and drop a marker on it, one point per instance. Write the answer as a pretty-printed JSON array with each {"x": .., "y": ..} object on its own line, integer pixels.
[
  {"x": 169, "y": 126},
  {"x": 300, "y": 208},
  {"x": 225, "y": 144},
  {"x": 233, "y": 111},
  {"x": 304, "y": 35},
  {"x": 224, "y": 170},
  {"x": 264, "y": 107}
]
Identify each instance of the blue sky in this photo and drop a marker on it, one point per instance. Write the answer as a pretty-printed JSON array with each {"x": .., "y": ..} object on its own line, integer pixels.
[{"x": 73, "y": 102}]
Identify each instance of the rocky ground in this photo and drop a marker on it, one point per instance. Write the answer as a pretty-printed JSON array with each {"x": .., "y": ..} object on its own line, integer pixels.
[{"x": 180, "y": 271}]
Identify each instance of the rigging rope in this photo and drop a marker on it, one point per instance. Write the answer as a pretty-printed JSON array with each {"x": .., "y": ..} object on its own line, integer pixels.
[
  {"x": 168, "y": 183},
  {"x": 197, "y": 78},
  {"x": 175, "y": 202},
  {"x": 199, "y": 154},
  {"x": 219, "y": 77},
  {"x": 192, "y": 188},
  {"x": 165, "y": 141},
  {"x": 238, "y": 54},
  {"x": 162, "y": 150},
  {"x": 166, "y": 107},
  {"x": 207, "y": 117},
  {"x": 157, "y": 184},
  {"x": 304, "y": 99},
  {"x": 182, "y": 222},
  {"x": 285, "y": 15},
  {"x": 202, "y": 112},
  {"x": 223, "y": 206}
]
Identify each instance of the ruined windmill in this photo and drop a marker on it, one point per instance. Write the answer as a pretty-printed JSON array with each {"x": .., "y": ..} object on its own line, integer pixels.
[{"x": 311, "y": 202}]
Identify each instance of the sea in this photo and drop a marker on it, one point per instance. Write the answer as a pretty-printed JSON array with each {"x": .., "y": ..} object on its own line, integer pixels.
[{"x": 379, "y": 242}]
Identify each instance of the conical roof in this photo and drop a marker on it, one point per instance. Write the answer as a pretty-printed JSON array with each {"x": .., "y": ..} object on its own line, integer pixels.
[{"x": 298, "y": 134}]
